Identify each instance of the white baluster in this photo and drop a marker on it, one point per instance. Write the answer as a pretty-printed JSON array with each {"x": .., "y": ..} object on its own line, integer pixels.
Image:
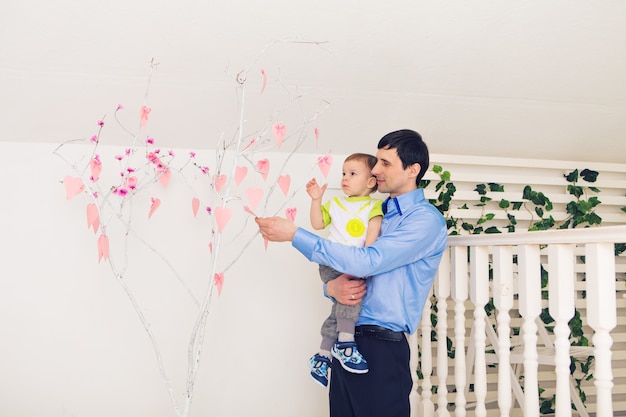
[
  {"x": 561, "y": 304},
  {"x": 427, "y": 407},
  {"x": 442, "y": 291},
  {"x": 529, "y": 283},
  {"x": 479, "y": 294},
  {"x": 459, "y": 278},
  {"x": 503, "y": 300},
  {"x": 601, "y": 315}
]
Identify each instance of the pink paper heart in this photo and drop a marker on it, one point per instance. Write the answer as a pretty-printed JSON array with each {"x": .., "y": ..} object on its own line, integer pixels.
[
  {"x": 103, "y": 247},
  {"x": 325, "y": 163},
  {"x": 222, "y": 216},
  {"x": 240, "y": 174},
  {"x": 156, "y": 203},
  {"x": 279, "y": 133},
  {"x": 263, "y": 166},
  {"x": 73, "y": 186},
  {"x": 284, "y": 181},
  {"x": 264, "y": 81},
  {"x": 130, "y": 183},
  {"x": 218, "y": 280},
  {"x": 252, "y": 141},
  {"x": 254, "y": 197},
  {"x": 220, "y": 180},
  {"x": 143, "y": 116},
  {"x": 93, "y": 218},
  {"x": 290, "y": 213},
  {"x": 165, "y": 176},
  {"x": 195, "y": 205},
  {"x": 96, "y": 167}
]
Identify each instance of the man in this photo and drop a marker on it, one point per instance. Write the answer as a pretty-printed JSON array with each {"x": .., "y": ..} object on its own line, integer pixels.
[{"x": 401, "y": 265}]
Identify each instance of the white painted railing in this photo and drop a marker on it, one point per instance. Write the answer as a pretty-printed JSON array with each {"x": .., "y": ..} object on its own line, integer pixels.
[{"x": 515, "y": 259}]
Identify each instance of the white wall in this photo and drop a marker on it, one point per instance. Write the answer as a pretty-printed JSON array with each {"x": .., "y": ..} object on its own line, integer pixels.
[{"x": 72, "y": 345}]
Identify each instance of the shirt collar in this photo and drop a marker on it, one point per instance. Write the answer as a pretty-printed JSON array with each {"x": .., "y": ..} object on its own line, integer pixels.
[{"x": 405, "y": 200}]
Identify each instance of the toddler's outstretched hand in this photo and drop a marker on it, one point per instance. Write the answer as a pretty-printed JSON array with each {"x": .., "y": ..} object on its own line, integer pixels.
[{"x": 314, "y": 190}]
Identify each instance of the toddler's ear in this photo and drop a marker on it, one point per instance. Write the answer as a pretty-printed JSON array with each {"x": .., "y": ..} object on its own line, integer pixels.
[{"x": 371, "y": 182}]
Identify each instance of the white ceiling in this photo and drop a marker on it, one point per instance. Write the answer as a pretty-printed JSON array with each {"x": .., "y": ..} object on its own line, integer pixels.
[{"x": 532, "y": 79}]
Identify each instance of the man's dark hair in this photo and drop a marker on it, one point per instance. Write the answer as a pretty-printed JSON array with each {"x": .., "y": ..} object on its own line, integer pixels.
[{"x": 410, "y": 148}]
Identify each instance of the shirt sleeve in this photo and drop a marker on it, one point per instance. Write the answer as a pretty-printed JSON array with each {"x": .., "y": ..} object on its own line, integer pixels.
[
  {"x": 377, "y": 209},
  {"x": 326, "y": 213},
  {"x": 414, "y": 238}
]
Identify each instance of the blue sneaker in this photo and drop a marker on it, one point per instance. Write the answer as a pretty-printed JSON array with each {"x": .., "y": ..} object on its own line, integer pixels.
[
  {"x": 349, "y": 357},
  {"x": 320, "y": 365}
]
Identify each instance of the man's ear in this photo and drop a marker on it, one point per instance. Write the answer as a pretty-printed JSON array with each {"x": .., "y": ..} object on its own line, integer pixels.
[{"x": 414, "y": 169}]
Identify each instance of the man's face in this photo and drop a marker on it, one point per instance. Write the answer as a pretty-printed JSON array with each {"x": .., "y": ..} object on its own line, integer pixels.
[{"x": 391, "y": 177}]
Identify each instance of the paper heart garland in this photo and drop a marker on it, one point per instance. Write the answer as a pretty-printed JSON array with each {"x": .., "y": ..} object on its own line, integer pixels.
[
  {"x": 279, "y": 133},
  {"x": 195, "y": 205},
  {"x": 222, "y": 216},
  {"x": 263, "y": 166},
  {"x": 254, "y": 196},
  {"x": 143, "y": 116},
  {"x": 73, "y": 186},
  {"x": 317, "y": 136},
  {"x": 264, "y": 81},
  {"x": 96, "y": 168},
  {"x": 165, "y": 176},
  {"x": 220, "y": 180},
  {"x": 240, "y": 174},
  {"x": 218, "y": 280},
  {"x": 93, "y": 218},
  {"x": 290, "y": 213},
  {"x": 103, "y": 247},
  {"x": 325, "y": 163},
  {"x": 156, "y": 203},
  {"x": 284, "y": 181}
]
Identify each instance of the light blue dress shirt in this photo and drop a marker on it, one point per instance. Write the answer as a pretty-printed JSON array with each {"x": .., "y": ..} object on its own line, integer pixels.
[{"x": 401, "y": 263}]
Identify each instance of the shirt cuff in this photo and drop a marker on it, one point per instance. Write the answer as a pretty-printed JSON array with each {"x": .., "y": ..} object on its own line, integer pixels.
[{"x": 304, "y": 242}]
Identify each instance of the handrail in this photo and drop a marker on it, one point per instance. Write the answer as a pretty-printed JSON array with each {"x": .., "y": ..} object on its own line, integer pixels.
[{"x": 563, "y": 236}]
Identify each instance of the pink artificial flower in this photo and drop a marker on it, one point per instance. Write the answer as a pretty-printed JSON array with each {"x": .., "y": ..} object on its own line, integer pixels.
[
  {"x": 208, "y": 209},
  {"x": 100, "y": 123},
  {"x": 120, "y": 107},
  {"x": 205, "y": 170},
  {"x": 157, "y": 151},
  {"x": 119, "y": 157},
  {"x": 130, "y": 170},
  {"x": 171, "y": 153},
  {"x": 192, "y": 154},
  {"x": 94, "y": 138},
  {"x": 150, "y": 141},
  {"x": 128, "y": 151}
]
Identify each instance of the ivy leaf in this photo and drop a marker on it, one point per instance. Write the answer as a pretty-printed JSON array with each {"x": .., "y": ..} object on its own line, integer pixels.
[
  {"x": 623, "y": 209},
  {"x": 572, "y": 176},
  {"x": 492, "y": 230},
  {"x": 496, "y": 187},
  {"x": 481, "y": 189},
  {"x": 589, "y": 175},
  {"x": 464, "y": 207},
  {"x": 575, "y": 190},
  {"x": 446, "y": 176},
  {"x": 437, "y": 169},
  {"x": 518, "y": 204},
  {"x": 504, "y": 204},
  {"x": 594, "y": 189}
]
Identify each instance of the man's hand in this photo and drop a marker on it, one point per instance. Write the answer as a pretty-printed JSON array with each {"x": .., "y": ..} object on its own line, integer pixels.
[
  {"x": 276, "y": 229},
  {"x": 346, "y": 290}
]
